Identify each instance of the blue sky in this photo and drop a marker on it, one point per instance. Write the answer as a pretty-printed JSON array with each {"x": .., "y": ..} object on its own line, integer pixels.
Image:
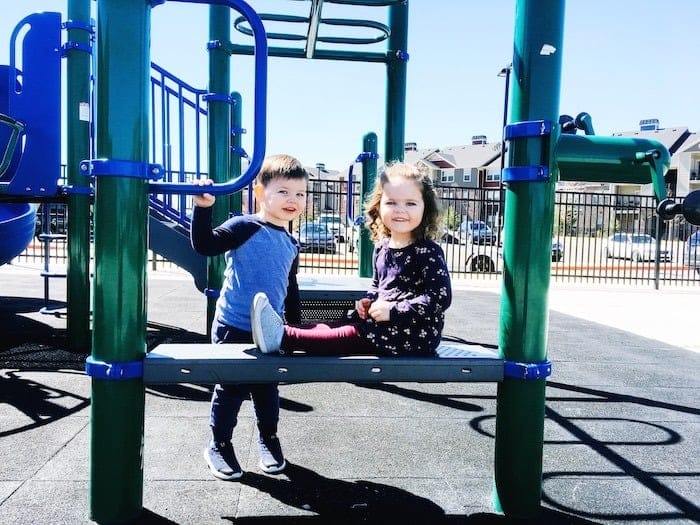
[{"x": 624, "y": 60}]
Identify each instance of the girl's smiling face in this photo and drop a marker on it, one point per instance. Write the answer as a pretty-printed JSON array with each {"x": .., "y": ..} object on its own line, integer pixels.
[{"x": 401, "y": 209}]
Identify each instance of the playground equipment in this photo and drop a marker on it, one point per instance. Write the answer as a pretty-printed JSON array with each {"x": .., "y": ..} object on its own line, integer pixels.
[
  {"x": 30, "y": 127},
  {"x": 540, "y": 154}
]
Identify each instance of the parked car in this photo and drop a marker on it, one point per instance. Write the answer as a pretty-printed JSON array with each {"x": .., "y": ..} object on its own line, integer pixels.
[
  {"x": 315, "y": 237},
  {"x": 448, "y": 236},
  {"x": 476, "y": 232},
  {"x": 334, "y": 224},
  {"x": 557, "y": 250},
  {"x": 691, "y": 252},
  {"x": 635, "y": 246}
]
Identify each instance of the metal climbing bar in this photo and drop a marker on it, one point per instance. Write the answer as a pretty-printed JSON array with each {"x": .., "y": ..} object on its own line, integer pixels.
[{"x": 259, "y": 109}]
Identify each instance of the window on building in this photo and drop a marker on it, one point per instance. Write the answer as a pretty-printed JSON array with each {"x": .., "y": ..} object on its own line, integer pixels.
[
  {"x": 447, "y": 175},
  {"x": 493, "y": 175}
]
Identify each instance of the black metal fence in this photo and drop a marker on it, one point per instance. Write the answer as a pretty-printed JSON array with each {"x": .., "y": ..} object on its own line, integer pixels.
[{"x": 586, "y": 245}]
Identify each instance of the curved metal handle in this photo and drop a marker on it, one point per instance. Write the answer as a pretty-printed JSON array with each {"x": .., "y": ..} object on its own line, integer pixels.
[
  {"x": 17, "y": 130},
  {"x": 259, "y": 111}
]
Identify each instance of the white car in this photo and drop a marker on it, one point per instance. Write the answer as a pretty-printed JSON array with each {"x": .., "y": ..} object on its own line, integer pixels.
[
  {"x": 334, "y": 224},
  {"x": 691, "y": 252},
  {"x": 635, "y": 246}
]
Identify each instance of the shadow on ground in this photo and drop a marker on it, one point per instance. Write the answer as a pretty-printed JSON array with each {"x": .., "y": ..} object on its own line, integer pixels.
[{"x": 31, "y": 343}]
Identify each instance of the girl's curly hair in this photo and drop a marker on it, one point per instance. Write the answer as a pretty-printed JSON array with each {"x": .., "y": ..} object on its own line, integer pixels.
[{"x": 429, "y": 227}]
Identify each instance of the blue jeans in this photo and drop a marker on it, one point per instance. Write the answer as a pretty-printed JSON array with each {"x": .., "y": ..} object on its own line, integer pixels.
[{"x": 227, "y": 398}]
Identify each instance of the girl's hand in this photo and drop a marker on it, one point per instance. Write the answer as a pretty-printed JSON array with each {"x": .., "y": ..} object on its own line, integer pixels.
[
  {"x": 380, "y": 310},
  {"x": 362, "y": 307},
  {"x": 204, "y": 200}
]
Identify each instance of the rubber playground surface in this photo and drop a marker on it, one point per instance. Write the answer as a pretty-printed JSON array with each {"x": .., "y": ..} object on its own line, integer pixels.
[{"x": 622, "y": 427}]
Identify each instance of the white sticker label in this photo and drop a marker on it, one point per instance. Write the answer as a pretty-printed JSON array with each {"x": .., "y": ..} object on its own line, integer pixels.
[{"x": 84, "y": 112}]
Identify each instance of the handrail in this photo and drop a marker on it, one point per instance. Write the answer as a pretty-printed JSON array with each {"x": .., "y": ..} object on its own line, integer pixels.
[
  {"x": 17, "y": 130},
  {"x": 259, "y": 110}
]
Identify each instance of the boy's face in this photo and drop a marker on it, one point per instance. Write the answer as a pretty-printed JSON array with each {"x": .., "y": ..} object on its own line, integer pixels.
[{"x": 282, "y": 200}]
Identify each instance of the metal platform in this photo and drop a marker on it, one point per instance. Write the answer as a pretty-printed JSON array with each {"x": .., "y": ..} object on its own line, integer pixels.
[{"x": 242, "y": 363}]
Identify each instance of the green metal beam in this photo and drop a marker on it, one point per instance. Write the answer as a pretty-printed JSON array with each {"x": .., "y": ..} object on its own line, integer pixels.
[
  {"x": 529, "y": 215},
  {"x": 219, "y": 126},
  {"x": 121, "y": 236},
  {"x": 369, "y": 175},
  {"x": 78, "y": 147},
  {"x": 396, "y": 83}
]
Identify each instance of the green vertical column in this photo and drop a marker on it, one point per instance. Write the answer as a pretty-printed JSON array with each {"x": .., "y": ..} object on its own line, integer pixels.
[
  {"x": 397, "y": 58},
  {"x": 236, "y": 200},
  {"x": 219, "y": 121},
  {"x": 78, "y": 146},
  {"x": 369, "y": 174},
  {"x": 529, "y": 213},
  {"x": 121, "y": 222}
]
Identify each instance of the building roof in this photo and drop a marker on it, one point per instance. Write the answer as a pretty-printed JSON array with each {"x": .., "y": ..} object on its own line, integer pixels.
[
  {"x": 672, "y": 138},
  {"x": 466, "y": 156}
]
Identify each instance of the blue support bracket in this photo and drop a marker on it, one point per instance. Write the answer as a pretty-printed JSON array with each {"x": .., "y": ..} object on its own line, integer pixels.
[
  {"x": 528, "y": 128},
  {"x": 211, "y": 292},
  {"x": 243, "y": 153},
  {"x": 113, "y": 371},
  {"x": 365, "y": 155},
  {"x": 77, "y": 190},
  {"x": 122, "y": 168},
  {"x": 527, "y": 371},
  {"x": 523, "y": 130},
  {"x": 75, "y": 46},
  {"x": 218, "y": 97},
  {"x": 526, "y": 174},
  {"x": 71, "y": 45}
]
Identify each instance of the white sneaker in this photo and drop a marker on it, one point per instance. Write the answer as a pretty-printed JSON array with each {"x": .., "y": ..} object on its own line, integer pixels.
[{"x": 266, "y": 325}]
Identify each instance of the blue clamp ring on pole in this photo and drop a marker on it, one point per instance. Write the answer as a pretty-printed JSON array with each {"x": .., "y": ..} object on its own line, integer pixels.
[
  {"x": 527, "y": 371},
  {"x": 211, "y": 292},
  {"x": 526, "y": 174},
  {"x": 365, "y": 155},
  {"x": 217, "y": 97},
  {"x": 122, "y": 168},
  {"x": 113, "y": 371},
  {"x": 236, "y": 130},
  {"x": 71, "y": 45},
  {"x": 529, "y": 128},
  {"x": 75, "y": 24}
]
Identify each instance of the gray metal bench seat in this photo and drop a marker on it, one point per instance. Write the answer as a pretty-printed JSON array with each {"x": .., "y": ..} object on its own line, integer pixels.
[{"x": 242, "y": 363}]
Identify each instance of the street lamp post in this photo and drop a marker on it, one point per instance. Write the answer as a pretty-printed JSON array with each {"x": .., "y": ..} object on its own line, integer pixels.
[{"x": 503, "y": 73}]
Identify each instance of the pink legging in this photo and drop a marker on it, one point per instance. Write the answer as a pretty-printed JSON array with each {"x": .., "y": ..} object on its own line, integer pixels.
[{"x": 326, "y": 338}]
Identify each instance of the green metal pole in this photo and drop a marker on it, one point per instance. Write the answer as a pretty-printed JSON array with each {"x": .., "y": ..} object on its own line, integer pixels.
[
  {"x": 369, "y": 174},
  {"x": 397, "y": 57},
  {"x": 219, "y": 122},
  {"x": 78, "y": 145},
  {"x": 236, "y": 204},
  {"x": 529, "y": 215},
  {"x": 121, "y": 235}
]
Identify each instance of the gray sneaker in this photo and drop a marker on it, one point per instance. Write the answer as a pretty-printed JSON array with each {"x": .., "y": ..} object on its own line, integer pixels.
[
  {"x": 266, "y": 325},
  {"x": 222, "y": 461},
  {"x": 271, "y": 457}
]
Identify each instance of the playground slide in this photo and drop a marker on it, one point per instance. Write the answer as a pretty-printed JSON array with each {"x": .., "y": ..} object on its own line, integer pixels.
[
  {"x": 172, "y": 241},
  {"x": 16, "y": 229}
]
